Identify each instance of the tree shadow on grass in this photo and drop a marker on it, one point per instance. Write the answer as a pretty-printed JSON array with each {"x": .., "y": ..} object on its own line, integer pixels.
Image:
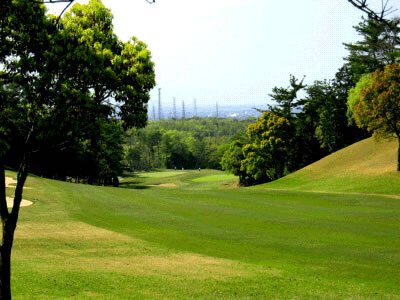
[{"x": 134, "y": 185}]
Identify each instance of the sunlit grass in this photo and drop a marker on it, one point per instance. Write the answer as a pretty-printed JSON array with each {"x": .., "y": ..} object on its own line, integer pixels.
[
  {"x": 365, "y": 167},
  {"x": 204, "y": 240},
  {"x": 215, "y": 178},
  {"x": 159, "y": 174}
]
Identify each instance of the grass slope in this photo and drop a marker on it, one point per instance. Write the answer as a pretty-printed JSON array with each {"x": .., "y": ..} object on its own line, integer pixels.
[
  {"x": 365, "y": 167},
  {"x": 203, "y": 240}
]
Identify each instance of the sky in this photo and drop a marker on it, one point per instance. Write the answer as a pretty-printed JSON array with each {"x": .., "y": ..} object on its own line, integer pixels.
[{"x": 235, "y": 51}]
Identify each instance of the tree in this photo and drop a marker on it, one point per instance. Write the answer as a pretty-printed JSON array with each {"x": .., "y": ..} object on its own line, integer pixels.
[
  {"x": 332, "y": 128},
  {"x": 380, "y": 45},
  {"x": 306, "y": 125},
  {"x": 378, "y": 105},
  {"x": 175, "y": 150},
  {"x": 65, "y": 78},
  {"x": 354, "y": 95},
  {"x": 287, "y": 98},
  {"x": 232, "y": 159},
  {"x": 265, "y": 158}
]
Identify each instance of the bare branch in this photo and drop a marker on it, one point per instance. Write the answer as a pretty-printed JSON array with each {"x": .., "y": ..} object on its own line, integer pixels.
[
  {"x": 63, "y": 11},
  {"x": 380, "y": 16}
]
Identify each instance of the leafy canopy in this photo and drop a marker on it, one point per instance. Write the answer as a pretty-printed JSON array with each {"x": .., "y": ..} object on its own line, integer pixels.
[{"x": 378, "y": 107}]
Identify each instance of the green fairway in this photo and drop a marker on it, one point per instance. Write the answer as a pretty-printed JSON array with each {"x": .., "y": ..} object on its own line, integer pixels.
[
  {"x": 160, "y": 174},
  {"x": 215, "y": 178},
  {"x": 203, "y": 240}
]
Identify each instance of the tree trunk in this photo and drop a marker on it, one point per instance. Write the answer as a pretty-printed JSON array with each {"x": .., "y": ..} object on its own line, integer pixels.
[
  {"x": 5, "y": 248},
  {"x": 5, "y": 259},
  {"x": 9, "y": 223},
  {"x": 115, "y": 181}
]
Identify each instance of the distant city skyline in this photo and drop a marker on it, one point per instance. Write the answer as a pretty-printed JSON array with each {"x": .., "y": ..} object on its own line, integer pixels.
[{"x": 226, "y": 111}]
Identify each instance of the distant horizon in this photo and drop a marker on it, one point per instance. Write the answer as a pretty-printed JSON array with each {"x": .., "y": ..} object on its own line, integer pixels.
[{"x": 238, "y": 111}]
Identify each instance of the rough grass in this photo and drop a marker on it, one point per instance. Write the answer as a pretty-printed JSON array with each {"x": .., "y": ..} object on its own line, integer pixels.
[{"x": 205, "y": 240}]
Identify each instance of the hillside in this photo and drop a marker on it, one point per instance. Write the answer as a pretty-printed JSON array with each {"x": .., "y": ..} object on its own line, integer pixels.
[{"x": 364, "y": 167}]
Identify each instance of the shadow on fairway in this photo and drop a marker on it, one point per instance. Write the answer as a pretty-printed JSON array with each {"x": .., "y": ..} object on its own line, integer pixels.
[{"x": 134, "y": 185}]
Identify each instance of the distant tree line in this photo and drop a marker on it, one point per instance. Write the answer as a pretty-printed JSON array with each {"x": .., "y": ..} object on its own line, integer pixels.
[
  {"x": 191, "y": 143},
  {"x": 298, "y": 130}
]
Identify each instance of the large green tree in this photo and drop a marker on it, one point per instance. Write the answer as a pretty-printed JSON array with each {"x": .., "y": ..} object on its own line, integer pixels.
[
  {"x": 378, "y": 106},
  {"x": 62, "y": 78},
  {"x": 265, "y": 156}
]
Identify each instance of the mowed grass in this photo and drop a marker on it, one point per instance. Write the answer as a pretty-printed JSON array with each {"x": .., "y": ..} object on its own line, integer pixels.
[
  {"x": 204, "y": 240},
  {"x": 365, "y": 167},
  {"x": 215, "y": 178},
  {"x": 160, "y": 174}
]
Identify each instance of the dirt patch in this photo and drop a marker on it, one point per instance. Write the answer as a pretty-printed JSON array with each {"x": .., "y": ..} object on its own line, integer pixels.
[
  {"x": 231, "y": 186},
  {"x": 24, "y": 203},
  {"x": 169, "y": 185}
]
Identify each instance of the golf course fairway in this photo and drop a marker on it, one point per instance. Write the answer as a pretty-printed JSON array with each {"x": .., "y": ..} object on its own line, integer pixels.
[{"x": 331, "y": 230}]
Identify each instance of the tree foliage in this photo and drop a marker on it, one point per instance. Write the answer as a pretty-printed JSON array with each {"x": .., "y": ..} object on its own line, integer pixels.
[
  {"x": 287, "y": 98},
  {"x": 354, "y": 94},
  {"x": 63, "y": 85},
  {"x": 232, "y": 159},
  {"x": 190, "y": 143},
  {"x": 378, "y": 105},
  {"x": 379, "y": 46},
  {"x": 265, "y": 158}
]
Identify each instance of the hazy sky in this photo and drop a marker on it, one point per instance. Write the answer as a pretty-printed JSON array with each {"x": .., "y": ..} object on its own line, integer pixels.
[{"x": 236, "y": 51}]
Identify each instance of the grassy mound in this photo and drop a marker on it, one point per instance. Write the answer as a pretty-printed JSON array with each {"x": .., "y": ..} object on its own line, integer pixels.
[{"x": 364, "y": 167}]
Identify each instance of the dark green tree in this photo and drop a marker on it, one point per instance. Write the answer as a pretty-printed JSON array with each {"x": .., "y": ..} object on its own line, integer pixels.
[
  {"x": 379, "y": 46},
  {"x": 231, "y": 162},
  {"x": 57, "y": 78},
  {"x": 287, "y": 98},
  {"x": 175, "y": 150}
]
